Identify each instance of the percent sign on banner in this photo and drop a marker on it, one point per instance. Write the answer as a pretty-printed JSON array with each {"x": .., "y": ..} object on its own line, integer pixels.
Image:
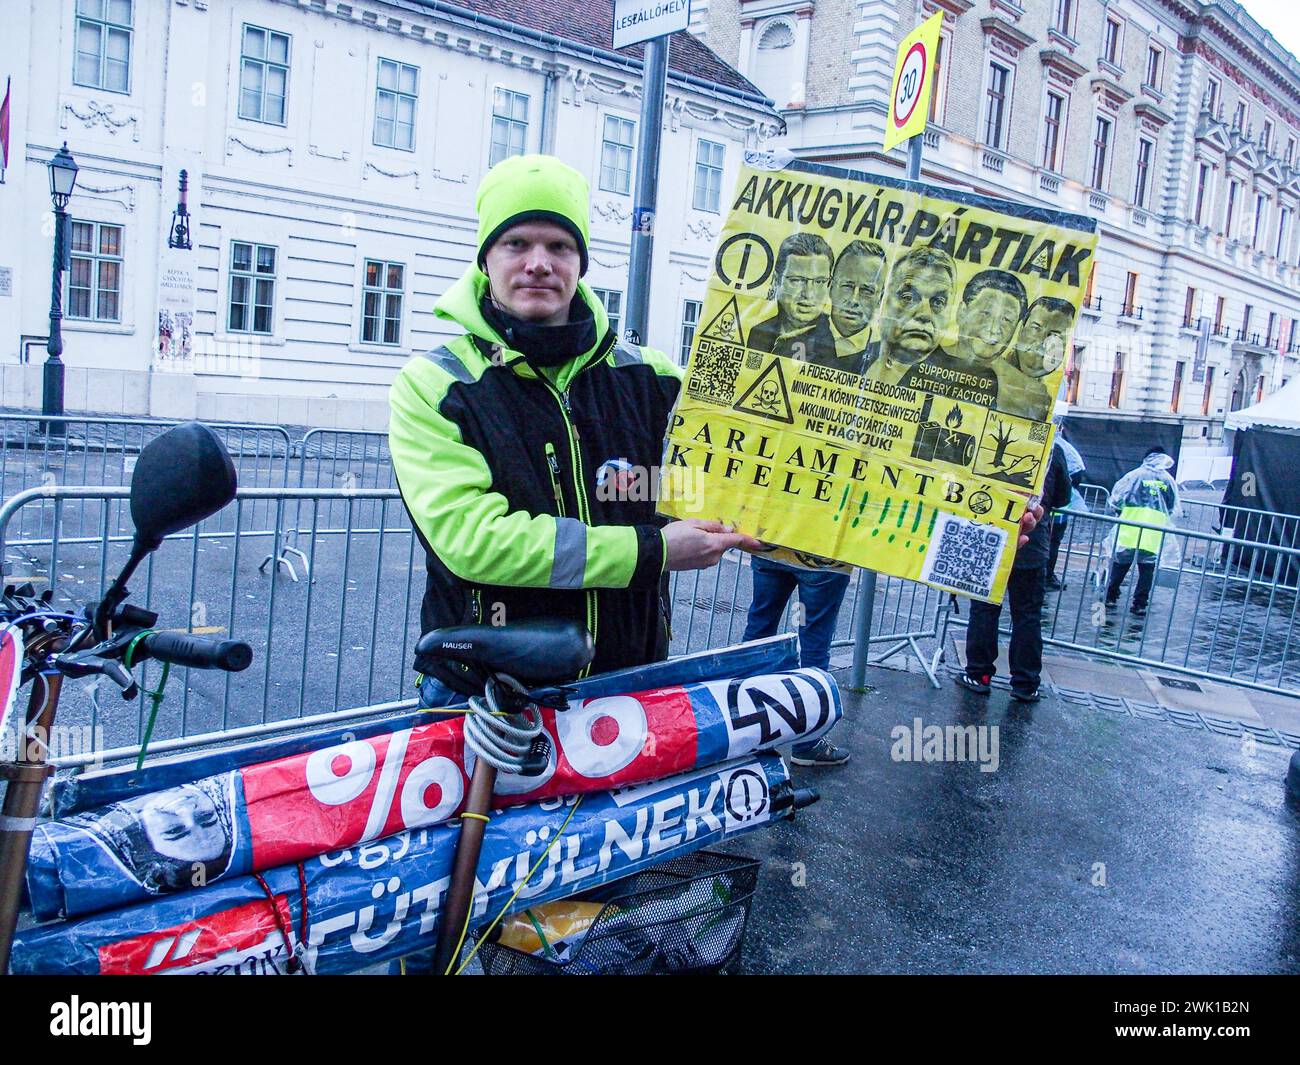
[{"x": 914, "y": 74}]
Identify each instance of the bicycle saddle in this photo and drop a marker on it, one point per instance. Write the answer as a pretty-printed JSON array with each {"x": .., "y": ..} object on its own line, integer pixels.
[{"x": 537, "y": 651}]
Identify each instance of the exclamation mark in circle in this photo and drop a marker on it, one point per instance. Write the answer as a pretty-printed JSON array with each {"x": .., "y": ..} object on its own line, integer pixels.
[{"x": 744, "y": 262}]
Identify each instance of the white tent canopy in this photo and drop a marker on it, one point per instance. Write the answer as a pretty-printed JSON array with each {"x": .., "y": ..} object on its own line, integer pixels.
[{"x": 1281, "y": 410}]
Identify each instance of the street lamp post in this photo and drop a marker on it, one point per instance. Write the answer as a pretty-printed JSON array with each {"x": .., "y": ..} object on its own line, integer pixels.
[{"x": 63, "y": 178}]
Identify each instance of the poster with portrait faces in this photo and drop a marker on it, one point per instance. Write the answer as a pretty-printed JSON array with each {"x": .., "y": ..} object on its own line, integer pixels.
[{"x": 874, "y": 376}]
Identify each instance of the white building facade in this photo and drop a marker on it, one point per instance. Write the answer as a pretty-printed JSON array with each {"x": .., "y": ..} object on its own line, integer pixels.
[
  {"x": 332, "y": 152},
  {"x": 1174, "y": 123}
]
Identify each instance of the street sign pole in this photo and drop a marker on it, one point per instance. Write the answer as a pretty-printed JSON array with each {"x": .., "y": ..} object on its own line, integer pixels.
[
  {"x": 914, "y": 147},
  {"x": 646, "y": 198}
]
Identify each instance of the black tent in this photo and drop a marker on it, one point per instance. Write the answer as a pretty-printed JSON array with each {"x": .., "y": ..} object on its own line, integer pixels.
[
  {"x": 1110, "y": 447},
  {"x": 1264, "y": 484}
]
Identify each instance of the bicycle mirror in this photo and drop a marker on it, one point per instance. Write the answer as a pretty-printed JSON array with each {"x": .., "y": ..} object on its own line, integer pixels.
[{"x": 182, "y": 477}]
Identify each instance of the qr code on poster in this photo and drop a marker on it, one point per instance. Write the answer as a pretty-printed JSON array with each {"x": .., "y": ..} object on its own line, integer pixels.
[
  {"x": 1038, "y": 433},
  {"x": 713, "y": 377},
  {"x": 964, "y": 556}
]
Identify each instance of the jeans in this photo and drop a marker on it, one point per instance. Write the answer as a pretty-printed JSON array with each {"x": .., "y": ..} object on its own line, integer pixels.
[
  {"x": 1025, "y": 590},
  {"x": 821, "y": 594},
  {"x": 1119, "y": 567},
  {"x": 433, "y": 693}
]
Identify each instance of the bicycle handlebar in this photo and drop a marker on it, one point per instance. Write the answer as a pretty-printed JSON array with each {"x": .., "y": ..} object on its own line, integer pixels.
[{"x": 196, "y": 652}]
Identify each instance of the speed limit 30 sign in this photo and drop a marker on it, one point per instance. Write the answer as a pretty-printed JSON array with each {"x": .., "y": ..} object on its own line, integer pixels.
[{"x": 913, "y": 80}]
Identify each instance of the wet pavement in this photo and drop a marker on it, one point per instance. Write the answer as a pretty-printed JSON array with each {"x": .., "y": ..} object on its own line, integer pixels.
[{"x": 1101, "y": 844}]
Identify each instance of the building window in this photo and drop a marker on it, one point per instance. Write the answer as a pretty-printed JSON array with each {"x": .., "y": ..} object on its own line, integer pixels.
[
  {"x": 1189, "y": 309},
  {"x": 263, "y": 75},
  {"x": 1290, "y": 149},
  {"x": 1212, "y": 95},
  {"x": 1176, "y": 400},
  {"x": 1154, "y": 59},
  {"x": 1074, "y": 374},
  {"x": 1141, "y": 179},
  {"x": 103, "y": 59},
  {"x": 1130, "y": 295},
  {"x": 397, "y": 86},
  {"x": 1270, "y": 337},
  {"x": 1240, "y": 116},
  {"x": 996, "y": 104},
  {"x": 708, "y": 175},
  {"x": 1259, "y": 388},
  {"x": 1283, "y": 231},
  {"x": 1100, "y": 151},
  {"x": 1110, "y": 48},
  {"x": 1087, "y": 288},
  {"x": 1220, "y": 312},
  {"x": 939, "y": 90},
  {"x": 252, "y": 288},
  {"x": 1117, "y": 381},
  {"x": 509, "y": 125},
  {"x": 95, "y": 280},
  {"x": 1208, "y": 394},
  {"x": 382, "y": 289},
  {"x": 690, "y": 320},
  {"x": 1063, "y": 16},
  {"x": 613, "y": 303},
  {"x": 1202, "y": 186},
  {"x": 1261, "y": 210},
  {"x": 1230, "y": 214},
  {"x": 616, "y": 155},
  {"x": 1053, "y": 117},
  {"x": 1245, "y": 322},
  {"x": 1266, "y": 138}
]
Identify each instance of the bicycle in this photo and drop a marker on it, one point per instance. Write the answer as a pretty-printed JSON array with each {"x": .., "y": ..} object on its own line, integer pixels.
[{"x": 181, "y": 478}]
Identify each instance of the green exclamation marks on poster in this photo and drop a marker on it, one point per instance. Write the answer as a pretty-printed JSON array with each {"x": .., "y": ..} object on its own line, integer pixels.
[{"x": 843, "y": 500}]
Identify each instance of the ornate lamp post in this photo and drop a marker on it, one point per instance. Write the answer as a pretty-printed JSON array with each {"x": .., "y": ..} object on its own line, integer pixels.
[
  {"x": 63, "y": 178},
  {"x": 179, "y": 235}
]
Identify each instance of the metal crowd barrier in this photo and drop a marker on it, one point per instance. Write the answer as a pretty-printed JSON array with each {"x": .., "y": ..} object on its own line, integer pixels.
[
  {"x": 337, "y": 645},
  {"x": 340, "y": 641},
  {"x": 335, "y": 458},
  {"x": 1220, "y": 607},
  {"x": 75, "y": 450}
]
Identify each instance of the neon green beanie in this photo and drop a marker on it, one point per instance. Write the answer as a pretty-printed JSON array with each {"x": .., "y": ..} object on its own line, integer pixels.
[{"x": 526, "y": 188}]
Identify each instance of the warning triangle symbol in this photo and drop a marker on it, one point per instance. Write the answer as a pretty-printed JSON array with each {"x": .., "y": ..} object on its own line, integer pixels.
[
  {"x": 725, "y": 326},
  {"x": 767, "y": 397}
]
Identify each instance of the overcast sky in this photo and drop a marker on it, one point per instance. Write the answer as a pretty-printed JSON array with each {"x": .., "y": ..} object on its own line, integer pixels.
[{"x": 1281, "y": 18}]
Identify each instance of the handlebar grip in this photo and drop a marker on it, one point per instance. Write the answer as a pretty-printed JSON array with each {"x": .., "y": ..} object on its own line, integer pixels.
[{"x": 184, "y": 650}]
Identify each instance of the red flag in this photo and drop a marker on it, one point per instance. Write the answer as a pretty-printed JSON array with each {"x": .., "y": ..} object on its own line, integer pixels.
[{"x": 4, "y": 128}]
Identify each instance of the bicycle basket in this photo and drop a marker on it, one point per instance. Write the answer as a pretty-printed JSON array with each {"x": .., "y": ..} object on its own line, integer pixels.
[{"x": 685, "y": 916}]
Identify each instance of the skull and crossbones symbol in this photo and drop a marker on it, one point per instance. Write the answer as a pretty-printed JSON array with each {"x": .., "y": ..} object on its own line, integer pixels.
[{"x": 767, "y": 396}]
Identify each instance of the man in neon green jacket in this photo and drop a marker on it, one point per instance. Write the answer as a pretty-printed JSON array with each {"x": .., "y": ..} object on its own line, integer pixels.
[{"x": 524, "y": 447}]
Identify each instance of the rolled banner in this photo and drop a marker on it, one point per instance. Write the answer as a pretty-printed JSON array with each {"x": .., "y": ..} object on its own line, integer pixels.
[
  {"x": 382, "y": 900},
  {"x": 294, "y": 808}
]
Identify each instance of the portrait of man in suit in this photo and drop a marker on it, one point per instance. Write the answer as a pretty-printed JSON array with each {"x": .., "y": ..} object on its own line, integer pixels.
[
  {"x": 857, "y": 285},
  {"x": 799, "y": 329}
]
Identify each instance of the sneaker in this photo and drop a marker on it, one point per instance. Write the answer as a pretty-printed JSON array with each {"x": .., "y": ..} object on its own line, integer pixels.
[
  {"x": 1055, "y": 584},
  {"x": 823, "y": 752},
  {"x": 1026, "y": 696},
  {"x": 1138, "y": 612},
  {"x": 978, "y": 685}
]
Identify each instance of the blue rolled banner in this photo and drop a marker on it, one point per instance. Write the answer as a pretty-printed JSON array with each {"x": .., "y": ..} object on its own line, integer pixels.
[
  {"x": 381, "y": 900},
  {"x": 290, "y": 809}
]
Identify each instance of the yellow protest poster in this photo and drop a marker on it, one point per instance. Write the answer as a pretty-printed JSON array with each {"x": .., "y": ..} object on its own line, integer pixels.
[{"x": 875, "y": 371}]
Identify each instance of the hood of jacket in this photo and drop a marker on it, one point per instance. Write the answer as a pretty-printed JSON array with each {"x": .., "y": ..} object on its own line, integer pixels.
[{"x": 462, "y": 304}]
